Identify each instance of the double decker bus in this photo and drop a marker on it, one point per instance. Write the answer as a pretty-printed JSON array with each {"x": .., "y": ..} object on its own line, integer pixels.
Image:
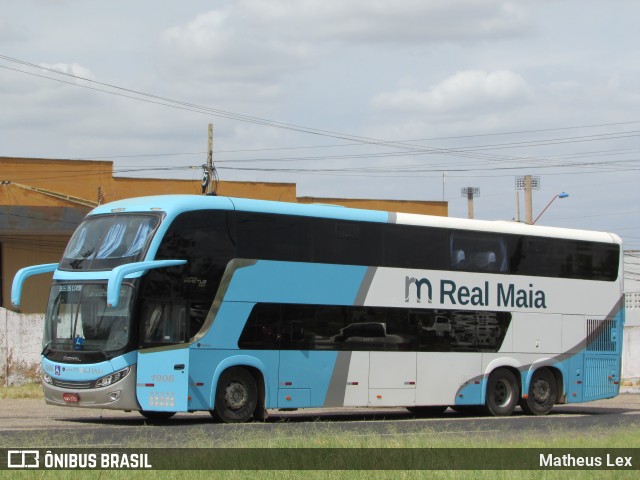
[{"x": 172, "y": 304}]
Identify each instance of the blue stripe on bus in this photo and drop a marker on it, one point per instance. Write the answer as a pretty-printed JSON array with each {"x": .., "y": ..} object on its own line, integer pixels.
[
  {"x": 296, "y": 282},
  {"x": 227, "y": 327}
]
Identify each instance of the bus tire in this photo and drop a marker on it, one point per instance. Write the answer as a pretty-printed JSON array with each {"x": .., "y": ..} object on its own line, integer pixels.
[
  {"x": 236, "y": 396},
  {"x": 502, "y": 393},
  {"x": 543, "y": 393},
  {"x": 156, "y": 416}
]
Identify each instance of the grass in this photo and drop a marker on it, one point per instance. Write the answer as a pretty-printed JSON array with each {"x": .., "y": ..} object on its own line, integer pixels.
[
  {"x": 27, "y": 390},
  {"x": 316, "y": 436}
]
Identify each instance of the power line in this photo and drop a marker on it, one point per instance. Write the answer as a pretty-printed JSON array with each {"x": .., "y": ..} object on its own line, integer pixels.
[
  {"x": 182, "y": 105},
  {"x": 169, "y": 102}
]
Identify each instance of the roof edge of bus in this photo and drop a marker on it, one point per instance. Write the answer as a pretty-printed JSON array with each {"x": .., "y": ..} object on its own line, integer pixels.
[{"x": 179, "y": 203}]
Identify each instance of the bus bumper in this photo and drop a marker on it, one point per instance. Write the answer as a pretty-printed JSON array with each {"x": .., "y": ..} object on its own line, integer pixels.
[{"x": 119, "y": 396}]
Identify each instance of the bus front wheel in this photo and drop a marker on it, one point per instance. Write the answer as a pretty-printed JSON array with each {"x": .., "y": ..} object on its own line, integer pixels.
[
  {"x": 236, "y": 396},
  {"x": 542, "y": 393},
  {"x": 502, "y": 393}
]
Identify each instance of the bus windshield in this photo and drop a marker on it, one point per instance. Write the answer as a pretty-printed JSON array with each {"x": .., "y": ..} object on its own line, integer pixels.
[
  {"x": 104, "y": 242},
  {"x": 78, "y": 319}
]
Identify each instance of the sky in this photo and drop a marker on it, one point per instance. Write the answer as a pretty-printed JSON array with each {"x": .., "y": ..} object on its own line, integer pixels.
[{"x": 412, "y": 99}]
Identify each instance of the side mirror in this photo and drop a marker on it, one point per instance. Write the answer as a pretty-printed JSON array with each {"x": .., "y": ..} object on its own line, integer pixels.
[{"x": 21, "y": 277}]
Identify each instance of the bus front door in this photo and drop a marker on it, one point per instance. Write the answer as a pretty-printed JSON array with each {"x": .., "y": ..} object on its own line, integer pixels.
[{"x": 162, "y": 383}]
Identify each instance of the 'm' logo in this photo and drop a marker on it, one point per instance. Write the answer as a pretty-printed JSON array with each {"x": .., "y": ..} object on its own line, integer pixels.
[{"x": 419, "y": 284}]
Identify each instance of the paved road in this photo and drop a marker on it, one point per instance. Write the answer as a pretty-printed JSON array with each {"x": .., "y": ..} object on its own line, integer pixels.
[{"x": 33, "y": 423}]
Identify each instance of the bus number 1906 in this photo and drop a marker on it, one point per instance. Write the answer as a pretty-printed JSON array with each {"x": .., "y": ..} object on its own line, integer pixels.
[{"x": 162, "y": 378}]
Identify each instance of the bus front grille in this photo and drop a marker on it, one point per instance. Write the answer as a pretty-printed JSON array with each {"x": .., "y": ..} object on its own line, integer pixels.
[{"x": 73, "y": 385}]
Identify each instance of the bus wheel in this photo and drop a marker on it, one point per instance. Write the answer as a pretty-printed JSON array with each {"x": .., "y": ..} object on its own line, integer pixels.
[
  {"x": 156, "y": 416},
  {"x": 236, "y": 396},
  {"x": 502, "y": 393},
  {"x": 542, "y": 393}
]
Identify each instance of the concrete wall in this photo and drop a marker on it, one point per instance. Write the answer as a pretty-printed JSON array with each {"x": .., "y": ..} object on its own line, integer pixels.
[
  {"x": 631, "y": 336},
  {"x": 631, "y": 354},
  {"x": 20, "y": 347}
]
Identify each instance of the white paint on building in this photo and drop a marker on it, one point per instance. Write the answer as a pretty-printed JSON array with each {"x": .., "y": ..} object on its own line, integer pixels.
[
  {"x": 631, "y": 346},
  {"x": 20, "y": 347}
]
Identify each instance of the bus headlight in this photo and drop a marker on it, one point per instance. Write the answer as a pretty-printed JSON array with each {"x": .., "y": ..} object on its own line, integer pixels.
[
  {"x": 112, "y": 378},
  {"x": 47, "y": 379}
]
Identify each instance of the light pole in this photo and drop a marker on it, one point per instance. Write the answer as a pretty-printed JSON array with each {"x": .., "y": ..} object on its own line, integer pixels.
[
  {"x": 559, "y": 195},
  {"x": 528, "y": 183},
  {"x": 470, "y": 193}
]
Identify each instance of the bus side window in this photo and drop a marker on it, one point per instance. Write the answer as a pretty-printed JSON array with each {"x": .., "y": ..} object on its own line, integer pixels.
[
  {"x": 164, "y": 322},
  {"x": 473, "y": 252}
]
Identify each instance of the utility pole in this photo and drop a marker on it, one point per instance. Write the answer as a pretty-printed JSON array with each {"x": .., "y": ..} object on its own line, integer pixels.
[
  {"x": 208, "y": 177},
  {"x": 528, "y": 183},
  {"x": 470, "y": 193},
  {"x": 444, "y": 179}
]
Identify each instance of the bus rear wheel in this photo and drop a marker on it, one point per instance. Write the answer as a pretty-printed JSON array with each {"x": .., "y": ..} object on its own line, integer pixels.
[
  {"x": 236, "y": 396},
  {"x": 502, "y": 393},
  {"x": 543, "y": 393}
]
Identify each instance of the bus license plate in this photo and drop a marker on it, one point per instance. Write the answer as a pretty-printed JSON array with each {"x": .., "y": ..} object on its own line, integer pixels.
[{"x": 71, "y": 397}]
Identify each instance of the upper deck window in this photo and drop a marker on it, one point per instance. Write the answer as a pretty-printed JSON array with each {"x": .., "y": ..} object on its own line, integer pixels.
[{"x": 104, "y": 242}]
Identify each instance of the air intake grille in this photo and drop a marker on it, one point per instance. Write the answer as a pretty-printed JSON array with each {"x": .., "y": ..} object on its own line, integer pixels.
[
  {"x": 601, "y": 335},
  {"x": 73, "y": 385}
]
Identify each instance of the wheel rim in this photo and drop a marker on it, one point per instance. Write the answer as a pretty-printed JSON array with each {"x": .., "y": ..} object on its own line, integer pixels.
[
  {"x": 541, "y": 391},
  {"x": 502, "y": 393},
  {"x": 236, "y": 395}
]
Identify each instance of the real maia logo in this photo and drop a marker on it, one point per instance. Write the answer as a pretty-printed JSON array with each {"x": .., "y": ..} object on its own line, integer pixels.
[{"x": 449, "y": 292}]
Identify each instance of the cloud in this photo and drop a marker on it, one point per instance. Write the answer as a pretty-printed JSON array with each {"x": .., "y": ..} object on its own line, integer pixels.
[
  {"x": 31, "y": 100},
  {"x": 223, "y": 46},
  {"x": 393, "y": 22},
  {"x": 466, "y": 90},
  {"x": 257, "y": 41}
]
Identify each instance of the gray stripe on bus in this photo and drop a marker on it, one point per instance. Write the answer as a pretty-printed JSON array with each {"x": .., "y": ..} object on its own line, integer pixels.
[
  {"x": 338, "y": 383},
  {"x": 365, "y": 286}
]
